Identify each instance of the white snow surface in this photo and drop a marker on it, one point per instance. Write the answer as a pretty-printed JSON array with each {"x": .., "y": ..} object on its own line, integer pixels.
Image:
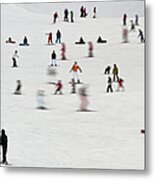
[{"x": 61, "y": 137}]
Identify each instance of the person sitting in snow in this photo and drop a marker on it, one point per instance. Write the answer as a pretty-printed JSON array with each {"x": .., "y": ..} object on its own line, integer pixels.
[
  {"x": 59, "y": 87},
  {"x": 10, "y": 41},
  {"x": 50, "y": 38},
  {"x": 107, "y": 70}
]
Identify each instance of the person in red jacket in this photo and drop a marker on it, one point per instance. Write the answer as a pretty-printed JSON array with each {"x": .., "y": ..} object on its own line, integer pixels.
[
  {"x": 59, "y": 87},
  {"x": 63, "y": 51},
  {"x": 120, "y": 84},
  {"x": 90, "y": 49},
  {"x": 50, "y": 38}
]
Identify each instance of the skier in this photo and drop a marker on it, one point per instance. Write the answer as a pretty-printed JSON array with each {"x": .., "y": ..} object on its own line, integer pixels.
[
  {"x": 90, "y": 49},
  {"x": 73, "y": 84},
  {"x": 136, "y": 20},
  {"x": 81, "y": 11},
  {"x": 84, "y": 12},
  {"x": 109, "y": 87},
  {"x": 81, "y": 41},
  {"x": 141, "y": 36},
  {"x": 75, "y": 68},
  {"x": 59, "y": 87},
  {"x": 72, "y": 16},
  {"x": 40, "y": 99},
  {"x": 124, "y": 19},
  {"x": 83, "y": 97},
  {"x": 50, "y": 38},
  {"x": 14, "y": 58},
  {"x": 120, "y": 84},
  {"x": 66, "y": 15},
  {"x": 115, "y": 73},
  {"x": 53, "y": 59},
  {"x": 132, "y": 26},
  {"x": 94, "y": 12},
  {"x": 55, "y": 16},
  {"x": 125, "y": 35},
  {"x": 58, "y": 37},
  {"x": 18, "y": 88},
  {"x": 10, "y": 41},
  {"x": 63, "y": 51},
  {"x": 4, "y": 144},
  {"x": 107, "y": 70}
]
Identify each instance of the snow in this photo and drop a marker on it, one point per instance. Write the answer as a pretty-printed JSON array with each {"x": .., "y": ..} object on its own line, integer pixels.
[{"x": 61, "y": 137}]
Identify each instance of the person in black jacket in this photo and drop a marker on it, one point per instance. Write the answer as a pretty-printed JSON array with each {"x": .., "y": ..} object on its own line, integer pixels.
[
  {"x": 109, "y": 87},
  {"x": 58, "y": 37},
  {"x": 4, "y": 144},
  {"x": 53, "y": 59}
]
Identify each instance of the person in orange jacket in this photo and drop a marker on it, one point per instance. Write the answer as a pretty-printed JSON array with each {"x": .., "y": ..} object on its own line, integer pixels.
[{"x": 75, "y": 68}]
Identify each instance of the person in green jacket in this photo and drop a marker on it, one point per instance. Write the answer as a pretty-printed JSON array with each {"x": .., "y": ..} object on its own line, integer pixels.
[{"x": 115, "y": 73}]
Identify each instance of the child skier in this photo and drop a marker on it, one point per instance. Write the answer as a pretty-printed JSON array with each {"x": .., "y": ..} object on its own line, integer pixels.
[
  {"x": 75, "y": 68},
  {"x": 115, "y": 73},
  {"x": 109, "y": 87},
  {"x": 25, "y": 42},
  {"x": 53, "y": 59},
  {"x": 90, "y": 49},
  {"x": 14, "y": 58},
  {"x": 58, "y": 37},
  {"x": 18, "y": 88},
  {"x": 59, "y": 87},
  {"x": 63, "y": 51},
  {"x": 141, "y": 36},
  {"x": 120, "y": 84},
  {"x": 55, "y": 16},
  {"x": 107, "y": 70}
]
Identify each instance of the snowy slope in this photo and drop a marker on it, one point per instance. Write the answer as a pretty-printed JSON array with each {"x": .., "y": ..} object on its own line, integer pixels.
[{"x": 62, "y": 137}]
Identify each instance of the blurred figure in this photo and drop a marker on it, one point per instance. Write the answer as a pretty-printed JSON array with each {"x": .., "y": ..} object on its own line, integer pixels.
[
  {"x": 63, "y": 52},
  {"x": 141, "y": 35},
  {"x": 58, "y": 37},
  {"x": 85, "y": 12},
  {"x": 59, "y": 87},
  {"x": 132, "y": 26},
  {"x": 73, "y": 84},
  {"x": 72, "y": 16},
  {"x": 10, "y": 41},
  {"x": 109, "y": 87},
  {"x": 136, "y": 20},
  {"x": 53, "y": 59},
  {"x": 115, "y": 73},
  {"x": 14, "y": 58},
  {"x": 66, "y": 19},
  {"x": 18, "y": 88},
  {"x": 55, "y": 17},
  {"x": 107, "y": 70},
  {"x": 120, "y": 84},
  {"x": 75, "y": 68},
  {"x": 4, "y": 144},
  {"x": 84, "y": 98},
  {"x": 40, "y": 99},
  {"x": 124, "y": 19},
  {"x": 94, "y": 12},
  {"x": 90, "y": 49},
  {"x": 125, "y": 35}
]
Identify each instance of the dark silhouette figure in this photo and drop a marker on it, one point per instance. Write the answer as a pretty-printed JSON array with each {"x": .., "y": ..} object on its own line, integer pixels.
[
  {"x": 141, "y": 36},
  {"x": 49, "y": 39},
  {"x": 73, "y": 84},
  {"x": 59, "y": 87},
  {"x": 14, "y": 58},
  {"x": 18, "y": 88},
  {"x": 66, "y": 15},
  {"x": 81, "y": 11},
  {"x": 136, "y": 20},
  {"x": 10, "y": 41},
  {"x": 81, "y": 41},
  {"x": 58, "y": 37},
  {"x": 4, "y": 144},
  {"x": 132, "y": 26},
  {"x": 115, "y": 73},
  {"x": 124, "y": 19},
  {"x": 55, "y": 16},
  {"x": 99, "y": 40},
  {"x": 107, "y": 70},
  {"x": 25, "y": 42},
  {"x": 109, "y": 87},
  {"x": 53, "y": 58},
  {"x": 72, "y": 16},
  {"x": 90, "y": 49},
  {"x": 94, "y": 12}
]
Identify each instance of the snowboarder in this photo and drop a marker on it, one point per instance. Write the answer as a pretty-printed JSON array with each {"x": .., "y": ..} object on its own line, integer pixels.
[
  {"x": 4, "y": 144},
  {"x": 73, "y": 84},
  {"x": 94, "y": 12},
  {"x": 136, "y": 20},
  {"x": 58, "y": 37},
  {"x": 125, "y": 35},
  {"x": 53, "y": 59},
  {"x": 107, "y": 70},
  {"x": 141, "y": 36},
  {"x": 81, "y": 41},
  {"x": 120, "y": 84},
  {"x": 75, "y": 68},
  {"x": 124, "y": 19},
  {"x": 18, "y": 88},
  {"x": 10, "y": 41},
  {"x": 132, "y": 26},
  {"x": 63, "y": 51},
  {"x": 40, "y": 99},
  {"x": 14, "y": 58},
  {"x": 115, "y": 73},
  {"x": 72, "y": 16},
  {"x": 100, "y": 40},
  {"x": 50, "y": 38},
  {"x": 90, "y": 49},
  {"x": 83, "y": 97},
  {"x": 109, "y": 87},
  {"x": 59, "y": 87},
  {"x": 66, "y": 15},
  {"x": 25, "y": 42},
  {"x": 55, "y": 16}
]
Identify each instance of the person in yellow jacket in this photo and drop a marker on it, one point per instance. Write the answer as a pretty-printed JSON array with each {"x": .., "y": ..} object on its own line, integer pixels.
[{"x": 75, "y": 68}]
